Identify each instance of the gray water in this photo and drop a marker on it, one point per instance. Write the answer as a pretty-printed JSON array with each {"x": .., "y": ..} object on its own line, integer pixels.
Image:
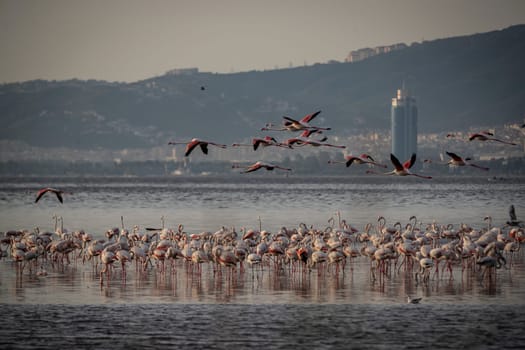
[{"x": 182, "y": 308}]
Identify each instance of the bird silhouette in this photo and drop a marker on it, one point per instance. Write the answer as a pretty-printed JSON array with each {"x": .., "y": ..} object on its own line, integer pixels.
[
  {"x": 488, "y": 136},
  {"x": 513, "y": 218},
  {"x": 260, "y": 165},
  {"x": 264, "y": 142},
  {"x": 402, "y": 169},
  {"x": 45, "y": 190},
  {"x": 459, "y": 161},
  {"x": 362, "y": 159},
  {"x": 291, "y": 124},
  {"x": 190, "y": 146},
  {"x": 413, "y": 300}
]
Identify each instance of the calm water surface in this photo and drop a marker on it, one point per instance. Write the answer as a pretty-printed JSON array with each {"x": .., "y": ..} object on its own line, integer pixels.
[{"x": 252, "y": 308}]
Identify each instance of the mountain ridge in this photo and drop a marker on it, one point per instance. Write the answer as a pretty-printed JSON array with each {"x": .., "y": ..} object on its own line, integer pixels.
[{"x": 458, "y": 83}]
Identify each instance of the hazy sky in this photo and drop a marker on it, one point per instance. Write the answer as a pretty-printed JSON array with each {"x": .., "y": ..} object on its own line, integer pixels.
[{"x": 129, "y": 40}]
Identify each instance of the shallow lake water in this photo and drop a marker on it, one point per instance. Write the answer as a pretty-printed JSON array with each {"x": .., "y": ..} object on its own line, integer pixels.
[{"x": 284, "y": 307}]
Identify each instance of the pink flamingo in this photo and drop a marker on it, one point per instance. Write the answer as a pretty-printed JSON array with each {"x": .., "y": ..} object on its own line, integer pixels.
[
  {"x": 45, "y": 190},
  {"x": 403, "y": 169},
  {"x": 291, "y": 124},
  {"x": 488, "y": 136},
  {"x": 263, "y": 142},
  {"x": 300, "y": 141},
  {"x": 259, "y": 165},
  {"x": 309, "y": 132},
  {"x": 459, "y": 161},
  {"x": 190, "y": 146},
  {"x": 362, "y": 159}
]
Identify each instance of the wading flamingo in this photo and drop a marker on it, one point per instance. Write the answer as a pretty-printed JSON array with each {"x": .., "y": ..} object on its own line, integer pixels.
[
  {"x": 190, "y": 146},
  {"x": 413, "y": 300},
  {"x": 513, "y": 218}
]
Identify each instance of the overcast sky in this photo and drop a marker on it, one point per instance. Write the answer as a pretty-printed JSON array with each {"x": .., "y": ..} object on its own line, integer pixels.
[{"x": 130, "y": 40}]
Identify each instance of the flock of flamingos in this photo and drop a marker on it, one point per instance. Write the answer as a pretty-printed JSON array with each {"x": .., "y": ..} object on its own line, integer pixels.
[
  {"x": 306, "y": 138},
  {"x": 423, "y": 252},
  {"x": 426, "y": 252}
]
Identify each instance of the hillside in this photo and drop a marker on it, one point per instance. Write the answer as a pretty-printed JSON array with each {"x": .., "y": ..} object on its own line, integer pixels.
[{"x": 458, "y": 82}]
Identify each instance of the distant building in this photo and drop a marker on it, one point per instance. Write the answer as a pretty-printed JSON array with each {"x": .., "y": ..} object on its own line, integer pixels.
[
  {"x": 404, "y": 125},
  {"x": 362, "y": 54},
  {"x": 183, "y": 71}
]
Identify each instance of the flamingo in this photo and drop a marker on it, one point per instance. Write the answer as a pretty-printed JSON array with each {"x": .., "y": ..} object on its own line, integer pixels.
[
  {"x": 259, "y": 165},
  {"x": 488, "y": 136},
  {"x": 264, "y": 142},
  {"x": 459, "y": 161},
  {"x": 45, "y": 190},
  {"x": 300, "y": 141},
  {"x": 403, "y": 169},
  {"x": 190, "y": 146},
  {"x": 513, "y": 218},
  {"x": 309, "y": 132},
  {"x": 362, "y": 159},
  {"x": 413, "y": 300},
  {"x": 490, "y": 263},
  {"x": 291, "y": 124}
]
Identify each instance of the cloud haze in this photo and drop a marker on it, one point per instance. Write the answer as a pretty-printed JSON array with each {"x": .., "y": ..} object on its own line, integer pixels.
[{"x": 128, "y": 40}]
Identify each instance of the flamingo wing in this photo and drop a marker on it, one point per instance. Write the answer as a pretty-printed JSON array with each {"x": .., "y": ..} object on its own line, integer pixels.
[
  {"x": 308, "y": 132},
  {"x": 253, "y": 167},
  {"x": 256, "y": 143},
  {"x": 291, "y": 121},
  {"x": 48, "y": 189},
  {"x": 396, "y": 162},
  {"x": 204, "y": 147},
  {"x": 477, "y": 137},
  {"x": 41, "y": 193},
  {"x": 270, "y": 139},
  {"x": 309, "y": 117},
  {"x": 59, "y": 196},
  {"x": 191, "y": 146},
  {"x": 410, "y": 163},
  {"x": 350, "y": 160},
  {"x": 454, "y": 156},
  {"x": 366, "y": 156}
]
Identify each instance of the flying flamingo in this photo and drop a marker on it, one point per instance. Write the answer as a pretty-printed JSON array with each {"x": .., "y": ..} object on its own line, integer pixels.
[
  {"x": 458, "y": 161},
  {"x": 58, "y": 193},
  {"x": 362, "y": 159},
  {"x": 259, "y": 165},
  {"x": 309, "y": 132},
  {"x": 403, "y": 169},
  {"x": 300, "y": 141},
  {"x": 263, "y": 142},
  {"x": 291, "y": 124},
  {"x": 488, "y": 136},
  {"x": 190, "y": 146}
]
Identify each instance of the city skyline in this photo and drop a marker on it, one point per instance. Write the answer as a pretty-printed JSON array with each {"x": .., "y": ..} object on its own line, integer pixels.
[{"x": 135, "y": 40}]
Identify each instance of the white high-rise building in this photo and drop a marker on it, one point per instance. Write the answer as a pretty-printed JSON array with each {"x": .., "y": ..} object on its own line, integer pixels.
[{"x": 404, "y": 125}]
